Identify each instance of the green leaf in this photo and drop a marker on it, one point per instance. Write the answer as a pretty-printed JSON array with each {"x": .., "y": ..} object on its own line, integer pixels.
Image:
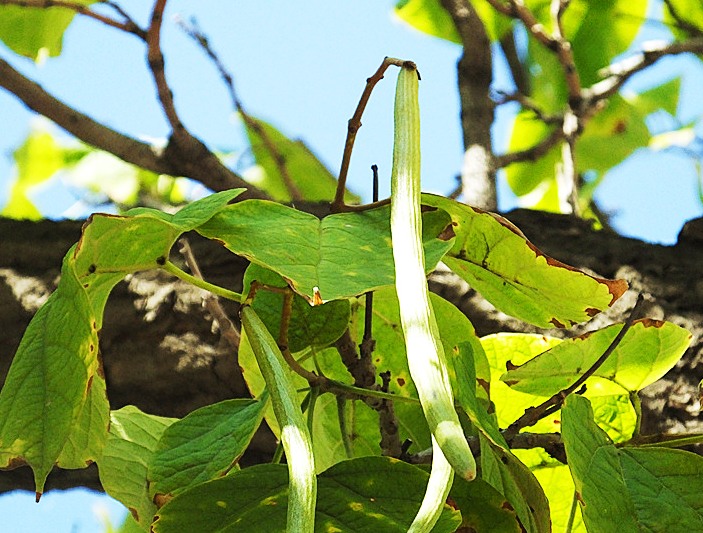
[
  {"x": 49, "y": 380},
  {"x": 125, "y": 461},
  {"x": 465, "y": 392},
  {"x": 341, "y": 255},
  {"x": 612, "y": 135},
  {"x": 483, "y": 509},
  {"x": 664, "y": 96},
  {"x": 328, "y": 447},
  {"x": 37, "y": 160},
  {"x": 356, "y": 495},
  {"x": 429, "y": 17},
  {"x": 496, "y": 259},
  {"x": 310, "y": 326},
  {"x": 614, "y": 413},
  {"x": 89, "y": 434},
  {"x": 555, "y": 478},
  {"x": 630, "y": 489},
  {"x": 136, "y": 241},
  {"x": 662, "y": 479},
  {"x": 605, "y": 501},
  {"x": 204, "y": 445},
  {"x": 600, "y": 30},
  {"x": 389, "y": 355},
  {"x": 33, "y": 32},
  {"x": 506, "y": 474},
  {"x": 691, "y": 11},
  {"x": 54, "y": 394},
  {"x": 307, "y": 173},
  {"x": 648, "y": 350}
]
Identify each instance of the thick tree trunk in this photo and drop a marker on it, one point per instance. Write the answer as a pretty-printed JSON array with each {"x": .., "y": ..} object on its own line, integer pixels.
[{"x": 161, "y": 354}]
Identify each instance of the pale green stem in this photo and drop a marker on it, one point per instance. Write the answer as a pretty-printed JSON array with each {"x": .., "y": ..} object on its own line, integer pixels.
[{"x": 214, "y": 289}]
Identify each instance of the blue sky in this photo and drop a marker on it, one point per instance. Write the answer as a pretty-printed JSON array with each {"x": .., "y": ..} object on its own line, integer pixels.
[{"x": 303, "y": 66}]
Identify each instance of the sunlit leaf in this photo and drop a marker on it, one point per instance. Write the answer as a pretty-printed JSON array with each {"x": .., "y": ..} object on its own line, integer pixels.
[
  {"x": 495, "y": 258},
  {"x": 36, "y": 161},
  {"x": 357, "y": 495},
  {"x": 339, "y": 256},
  {"x": 29, "y": 31},
  {"x": 614, "y": 413},
  {"x": 648, "y": 350}
]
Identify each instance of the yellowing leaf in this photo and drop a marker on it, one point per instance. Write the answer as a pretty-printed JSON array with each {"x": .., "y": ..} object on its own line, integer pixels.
[{"x": 496, "y": 259}]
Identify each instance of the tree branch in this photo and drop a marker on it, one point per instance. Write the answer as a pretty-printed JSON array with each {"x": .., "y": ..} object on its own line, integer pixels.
[
  {"x": 475, "y": 75},
  {"x": 200, "y": 164}
]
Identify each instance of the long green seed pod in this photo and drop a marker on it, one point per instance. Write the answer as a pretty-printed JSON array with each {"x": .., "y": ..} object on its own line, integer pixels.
[
  {"x": 426, "y": 358},
  {"x": 302, "y": 483}
]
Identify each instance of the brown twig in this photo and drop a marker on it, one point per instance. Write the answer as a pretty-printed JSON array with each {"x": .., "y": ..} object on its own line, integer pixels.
[
  {"x": 128, "y": 25},
  {"x": 156, "y": 62},
  {"x": 354, "y": 124},
  {"x": 533, "y": 153},
  {"x": 227, "y": 329},
  {"x": 278, "y": 158},
  {"x": 554, "y": 403}
]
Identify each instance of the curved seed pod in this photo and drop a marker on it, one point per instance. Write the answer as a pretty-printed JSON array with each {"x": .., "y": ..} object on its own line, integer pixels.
[
  {"x": 426, "y": 358},
  {"x": 302, "y": 484},
  {"x": 441, "y": 478}
]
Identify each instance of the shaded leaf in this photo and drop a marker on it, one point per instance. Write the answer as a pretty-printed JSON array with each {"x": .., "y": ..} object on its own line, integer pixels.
[
  {"x": 317, "y": 326},
  {"x": 341, "y": 255},
  {"x": 89, "y": 434},
  {"x": 630, "y": 489},
  {"x": 54, "y": 393},
  {"x": 125, "y": 461},
  {"x": 648, "y": 350},
  {"x": 662, "y": 479},
  {"x": 328, "y": 447},
  {"x": 496, "y": 259},
  {"x": 204, "y": 445},
  {"x": 507, "y": 475},
  {"x": 307, "y": 173},
  {"x": 606, "y": 504},
  {"x": 356, "y": 495},
  {"x": 49, "y": 380},
  {"x": 29, "y": 31},
  {"x": 483, "y": 509}
]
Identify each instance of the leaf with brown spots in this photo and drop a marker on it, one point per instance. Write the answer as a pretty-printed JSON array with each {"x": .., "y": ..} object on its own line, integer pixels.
[{"x": 496, "y": 259}]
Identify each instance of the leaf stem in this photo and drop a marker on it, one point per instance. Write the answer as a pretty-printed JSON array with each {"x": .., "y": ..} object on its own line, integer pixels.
[
  {"x": 572, "y": 514},
  {"x": 169, "y": 267}
]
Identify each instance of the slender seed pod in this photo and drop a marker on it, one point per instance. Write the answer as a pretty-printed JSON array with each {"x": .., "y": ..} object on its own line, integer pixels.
[
  {"x": 302, "y": 483},
  {"x": 426, "y": 358}
]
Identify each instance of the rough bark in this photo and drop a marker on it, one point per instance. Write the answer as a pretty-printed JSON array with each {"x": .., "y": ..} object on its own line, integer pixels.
[{"x": 161, "y": 354}]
